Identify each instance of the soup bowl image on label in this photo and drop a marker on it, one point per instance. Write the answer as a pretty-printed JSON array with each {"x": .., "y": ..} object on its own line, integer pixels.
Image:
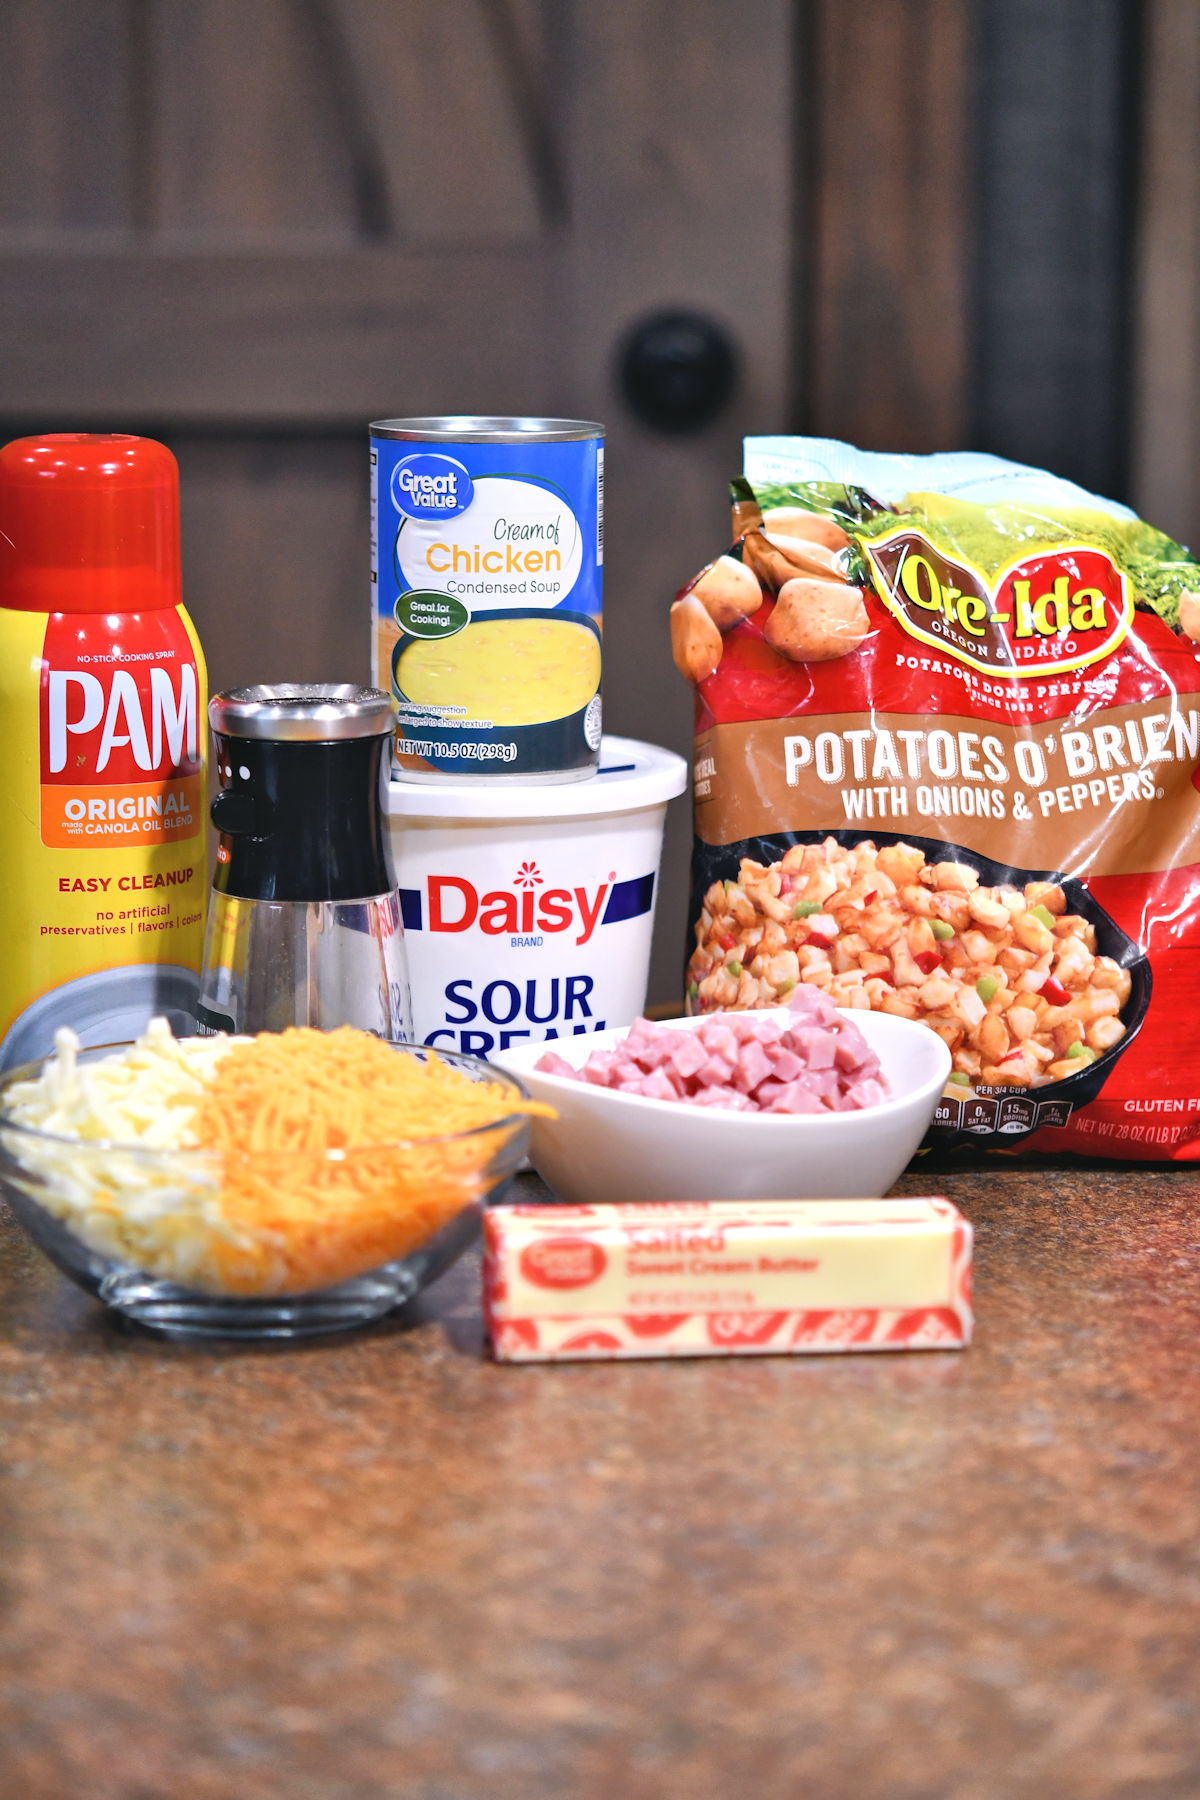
[
  {"x": 524, "y": 684},
  {"x": 521, "y": 670}
]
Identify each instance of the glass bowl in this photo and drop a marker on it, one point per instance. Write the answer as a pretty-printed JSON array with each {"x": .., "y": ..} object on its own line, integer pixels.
[{"x": 141, "y": 1228}]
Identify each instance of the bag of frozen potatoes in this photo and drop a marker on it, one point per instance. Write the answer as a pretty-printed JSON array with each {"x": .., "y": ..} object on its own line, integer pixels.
[{"x": 947, "y": 765}]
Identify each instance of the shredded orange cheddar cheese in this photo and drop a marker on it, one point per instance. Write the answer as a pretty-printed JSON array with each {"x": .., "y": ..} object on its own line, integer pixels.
[{"x": 339, "y": 1154}]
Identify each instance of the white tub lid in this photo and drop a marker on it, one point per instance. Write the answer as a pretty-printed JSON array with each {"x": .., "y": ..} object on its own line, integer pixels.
[{"x": 631, "y": 776}]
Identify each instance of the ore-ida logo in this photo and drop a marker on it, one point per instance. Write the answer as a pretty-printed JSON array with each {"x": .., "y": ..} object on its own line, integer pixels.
[{"x": 1041, "y": 615}]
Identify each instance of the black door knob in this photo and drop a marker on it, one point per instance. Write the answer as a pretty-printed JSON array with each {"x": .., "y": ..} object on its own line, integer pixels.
[{"x": 677, "y": 370}]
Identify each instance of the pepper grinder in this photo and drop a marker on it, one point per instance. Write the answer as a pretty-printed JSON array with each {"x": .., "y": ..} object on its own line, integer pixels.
[{"x": 304, "y": 926}]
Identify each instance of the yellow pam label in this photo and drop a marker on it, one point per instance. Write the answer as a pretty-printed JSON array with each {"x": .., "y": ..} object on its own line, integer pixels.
[
  {"x": 511, "y": 671},
  {"x": 102, "y": 801}
]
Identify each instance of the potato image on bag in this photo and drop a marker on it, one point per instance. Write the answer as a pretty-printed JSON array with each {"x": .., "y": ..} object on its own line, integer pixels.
[
  {"x": 776, "y": 558},
  {"x": 817, "y": 621},
  {"x": 695, "y": 641},
  {"x": 728, "y": 592},
  {"x": 798, "y": 522}
]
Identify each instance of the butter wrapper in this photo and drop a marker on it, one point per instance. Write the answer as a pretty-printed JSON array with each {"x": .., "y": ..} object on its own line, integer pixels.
[{"x": 726, "y": 1277}]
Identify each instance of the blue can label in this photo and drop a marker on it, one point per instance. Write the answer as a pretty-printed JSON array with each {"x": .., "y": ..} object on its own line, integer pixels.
[{"x": 486, "y": 575}]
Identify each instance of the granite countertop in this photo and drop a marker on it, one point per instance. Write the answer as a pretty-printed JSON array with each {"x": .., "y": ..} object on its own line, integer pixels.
[{"x": 384, "y": 1567}]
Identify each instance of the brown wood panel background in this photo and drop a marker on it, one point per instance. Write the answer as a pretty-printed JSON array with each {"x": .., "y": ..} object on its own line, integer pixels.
[
  {"x": 1166, "y": 412},
  {"x": 890, "y": 170},
  {"x": 229, "y": 155},
  {"x": 294, "y": 216},
  {"x": 67, "y": 117},
  {"x": 273, "y": 533},
  {"x": 969, "y": 171},
  {"x": 1054, "y": 126}
]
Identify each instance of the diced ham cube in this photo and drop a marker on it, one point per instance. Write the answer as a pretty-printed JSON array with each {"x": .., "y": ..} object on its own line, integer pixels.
[
  {"x": 552, "y": 1064},
  {"x": 816, "y": 1047},
  {"x": 724, "y": 1099},
  {"x": 600, "y": 1067},
  {"x": 808, "y": 1000},
  {"x": 688, "y": 1053},
  {"x": 653, "y": 1052},
  {"x": 785, "y": 1064},
  {"x": 866, "y": 1093},
  {"x": 717, "y": 1071},
  {"x": 654, "y": 1087},
  {"x": 852, "y": 1049},
  {"x": 721, "y": 1042},
  {"x": 796, "y": 1097},
  {"x": 759, "y": 1030},
  {"x": 754, "y": 1065}
]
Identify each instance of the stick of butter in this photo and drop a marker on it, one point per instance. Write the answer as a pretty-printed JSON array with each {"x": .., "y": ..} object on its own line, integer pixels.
[{"x": 720, "y": 1277}]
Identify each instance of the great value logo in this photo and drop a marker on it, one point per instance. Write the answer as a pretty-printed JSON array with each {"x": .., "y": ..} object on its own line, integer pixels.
[
  {"x": 563, "y": 1262},
  {"x": 428, "y": 486},
  {"x": 1042, "y": 615}
]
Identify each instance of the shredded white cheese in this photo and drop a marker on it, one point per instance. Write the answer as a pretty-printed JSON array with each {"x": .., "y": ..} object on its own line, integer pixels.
[
  {"x": 119, "y": 1189},
  {"x": 142, "y": 1096}
]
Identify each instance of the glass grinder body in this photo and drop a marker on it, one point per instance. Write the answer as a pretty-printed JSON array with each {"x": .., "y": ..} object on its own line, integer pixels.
[{"x": 304, "y": 926}]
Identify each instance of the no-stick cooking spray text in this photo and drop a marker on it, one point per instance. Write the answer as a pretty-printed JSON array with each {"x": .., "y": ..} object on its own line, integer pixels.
[{"x": 102, "y": 706}]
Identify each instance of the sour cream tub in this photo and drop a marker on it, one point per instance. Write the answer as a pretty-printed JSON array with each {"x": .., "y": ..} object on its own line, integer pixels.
[{"x": 528, "y": 911}]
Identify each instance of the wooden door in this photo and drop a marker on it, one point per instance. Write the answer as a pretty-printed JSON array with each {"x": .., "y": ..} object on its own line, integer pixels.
[{"x": 251, "y": 226}]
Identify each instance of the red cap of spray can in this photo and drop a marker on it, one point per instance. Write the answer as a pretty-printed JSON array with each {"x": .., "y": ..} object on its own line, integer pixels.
[{"x": 89, "y": 523}]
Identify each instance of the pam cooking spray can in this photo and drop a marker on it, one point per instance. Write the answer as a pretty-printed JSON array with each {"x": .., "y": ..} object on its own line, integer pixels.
[{"x": 102, "y": 707}]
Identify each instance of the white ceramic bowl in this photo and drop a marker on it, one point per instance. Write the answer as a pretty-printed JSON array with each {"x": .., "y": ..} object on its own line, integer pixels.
[{"x": 606, "y": 1145}]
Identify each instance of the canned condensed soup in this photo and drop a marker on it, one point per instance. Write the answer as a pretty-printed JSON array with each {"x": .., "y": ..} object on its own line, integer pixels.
[{"x": 487, "y": 549}]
